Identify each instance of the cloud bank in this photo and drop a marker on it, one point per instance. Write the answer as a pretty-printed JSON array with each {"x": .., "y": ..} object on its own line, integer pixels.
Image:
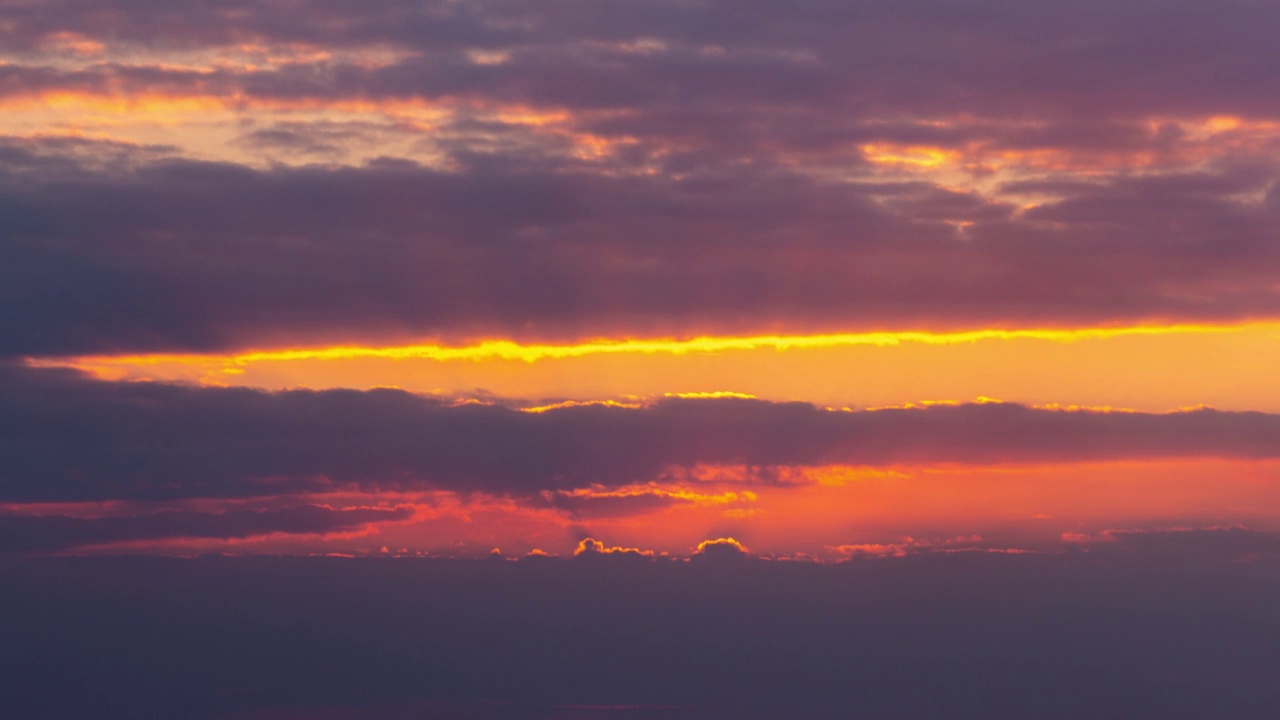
[
  {"x": 562, "y": 170},
  {"x": 68, "y": 438}
]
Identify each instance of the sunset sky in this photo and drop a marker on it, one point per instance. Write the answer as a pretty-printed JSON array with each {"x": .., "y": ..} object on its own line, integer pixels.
[{"x": 658, "y": 283}]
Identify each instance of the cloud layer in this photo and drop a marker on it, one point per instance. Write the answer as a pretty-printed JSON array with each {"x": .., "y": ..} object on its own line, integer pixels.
[
  {"x": 68, "y": 438},
  {"x": 194, "y": 255},
  {"x": 401, "y": 170},
  {"x": 1171, "y": 625},
  {"x": 57, "y": 532},
  {"x": 888, "y": 58}
]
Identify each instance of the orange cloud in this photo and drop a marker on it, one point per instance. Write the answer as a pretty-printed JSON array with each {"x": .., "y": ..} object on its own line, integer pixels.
[
  {"x": 591, "y": 546},
  {"x": 906, "y": 546},
  {"x": 719, "y": 545}
]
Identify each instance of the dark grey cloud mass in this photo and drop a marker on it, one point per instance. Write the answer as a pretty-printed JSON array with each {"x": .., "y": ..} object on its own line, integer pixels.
[
  {"x": 56, "y": 532},
  {"x": 63, "y": 437},
  {"x": 735, "y": 198},
  {"x": 1131, "y": 57},
  {"x": 114, "y": 250},
  {"x": 1176, "y": 626}
]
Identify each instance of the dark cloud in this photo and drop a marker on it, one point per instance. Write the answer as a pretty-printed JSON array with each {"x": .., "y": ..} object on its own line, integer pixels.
[
  {"x": 150, "y": 254},
  {"x": 706, "y": 82},
  {"x": 701, "y": 82},
  {"x": 63, "y": 437},
  {"x": 604, "y": 505},
  {"x": 57, "y": 532},
  {"x": 885, "y": 57},
  {"x": 1124, "y": 630},
  {"x": 736, "y": 198}
]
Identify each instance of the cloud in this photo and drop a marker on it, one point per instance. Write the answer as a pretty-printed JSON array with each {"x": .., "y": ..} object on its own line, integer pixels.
[
  {"x": 69, "y": 438},
  {"x": 564, "y": 171},
  {"x": 590, "y": 547},
  {"x": 24, "y": 533},
  {"x": 602, "y": 502},
  {"x": 720, "y": 549},
  {"x": 155, "y": 253},
  {"x": 868, "y": 57},
  {"x": 1238, "y": 543},
  {"x": 909, "y": 545},
  {"x": 613, "y": 506},
  {"x": 1148, "y": 630}
]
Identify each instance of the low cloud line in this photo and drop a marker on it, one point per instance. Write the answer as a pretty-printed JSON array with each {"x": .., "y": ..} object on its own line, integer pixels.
[{"x": 64, "y": 437}]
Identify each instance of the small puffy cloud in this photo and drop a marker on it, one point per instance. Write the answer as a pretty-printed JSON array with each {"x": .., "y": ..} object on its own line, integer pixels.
[
  {"x": 725, "y": 548},
  {"x": 590, "y": 547}
]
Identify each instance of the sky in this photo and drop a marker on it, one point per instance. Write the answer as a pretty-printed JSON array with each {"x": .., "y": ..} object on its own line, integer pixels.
[{"x": 976, "y": 300}]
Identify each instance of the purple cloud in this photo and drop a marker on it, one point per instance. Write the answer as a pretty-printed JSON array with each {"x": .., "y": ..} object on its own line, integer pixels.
[
  {"x": 68, "y": 438},
  {"x": 169, "y": 254}
]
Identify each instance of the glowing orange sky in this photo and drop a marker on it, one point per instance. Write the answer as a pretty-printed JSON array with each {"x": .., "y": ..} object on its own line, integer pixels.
[
  {"x": 1144, "y": 368},
  {"x": 825, "y": 513}
]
